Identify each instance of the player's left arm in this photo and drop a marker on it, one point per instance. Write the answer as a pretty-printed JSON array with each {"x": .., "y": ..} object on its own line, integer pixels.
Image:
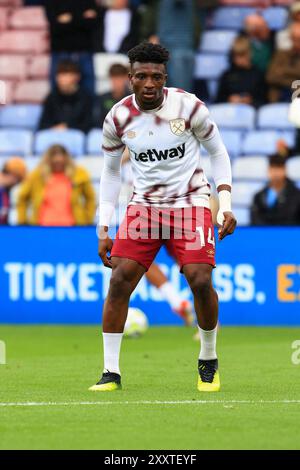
[{"x": 208, "y": 134}]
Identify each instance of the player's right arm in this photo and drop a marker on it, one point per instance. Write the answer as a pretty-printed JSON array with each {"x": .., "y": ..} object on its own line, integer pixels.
[{"x": 110, "y": 185}]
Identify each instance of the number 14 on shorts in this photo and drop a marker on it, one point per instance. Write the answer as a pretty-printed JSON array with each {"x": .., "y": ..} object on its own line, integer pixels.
[{"x": 210, "y": 237}]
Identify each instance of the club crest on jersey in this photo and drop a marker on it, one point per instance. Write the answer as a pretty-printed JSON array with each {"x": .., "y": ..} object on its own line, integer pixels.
[
  {"x": 131, "y": 134},
  {"x": 177, "y": 126}
]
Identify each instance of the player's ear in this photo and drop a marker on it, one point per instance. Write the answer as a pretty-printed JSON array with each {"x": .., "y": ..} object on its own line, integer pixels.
[{"x": 130, "y": 76}]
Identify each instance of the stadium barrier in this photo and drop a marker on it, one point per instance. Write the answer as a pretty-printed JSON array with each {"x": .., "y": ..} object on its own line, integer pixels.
[{"x": 53, "y": 275}]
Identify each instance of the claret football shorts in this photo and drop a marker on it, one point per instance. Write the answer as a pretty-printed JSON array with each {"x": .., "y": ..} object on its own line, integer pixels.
[{"x": 187, "y": 233}]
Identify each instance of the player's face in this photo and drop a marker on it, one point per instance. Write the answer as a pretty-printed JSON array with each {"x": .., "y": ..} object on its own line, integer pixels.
[{"x": 148, "y": 81}]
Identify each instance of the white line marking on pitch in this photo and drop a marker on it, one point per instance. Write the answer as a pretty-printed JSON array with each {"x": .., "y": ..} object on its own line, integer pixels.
[{"x": 145, "y": 402}]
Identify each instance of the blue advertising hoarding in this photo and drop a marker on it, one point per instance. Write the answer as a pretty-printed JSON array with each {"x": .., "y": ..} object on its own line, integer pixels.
[{"x": 53, "y": 275}]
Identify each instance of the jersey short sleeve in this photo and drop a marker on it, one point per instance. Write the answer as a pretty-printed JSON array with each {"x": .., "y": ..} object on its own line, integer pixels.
[
  {"x": 112, "y": 144},
  {"x": 201, "y": 124}
]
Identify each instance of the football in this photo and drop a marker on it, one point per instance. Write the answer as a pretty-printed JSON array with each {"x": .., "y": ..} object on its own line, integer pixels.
[{"x": 136, "y": 324}]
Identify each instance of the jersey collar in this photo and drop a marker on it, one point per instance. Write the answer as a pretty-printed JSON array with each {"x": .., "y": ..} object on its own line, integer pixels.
[{"x": 151, "y": 111}]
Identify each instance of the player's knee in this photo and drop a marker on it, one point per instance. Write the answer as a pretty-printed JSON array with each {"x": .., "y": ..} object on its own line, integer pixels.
[
  {"x": 120, "y": 284},
  {"x": 200, "y": 283}
]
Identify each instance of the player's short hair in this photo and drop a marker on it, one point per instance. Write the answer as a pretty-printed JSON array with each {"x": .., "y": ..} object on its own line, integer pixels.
[
  {"x": 147, "y": 52},
  {"x": 117, "y": 70},
  {"x": 67, "y": 66},
  {"x": 277, "y": 161}
]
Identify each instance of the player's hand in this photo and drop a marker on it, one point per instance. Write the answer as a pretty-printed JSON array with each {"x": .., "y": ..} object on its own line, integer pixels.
[
  {"x": 105, "y": 246},
  {"x": 228, "y": 225}
]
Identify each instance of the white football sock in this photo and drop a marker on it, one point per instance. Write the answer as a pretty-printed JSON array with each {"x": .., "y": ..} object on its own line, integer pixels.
[
  {"x": 208, "y": 341},
  {"x": 170, "y": 294},
  {"x": 111, "y": 349}
]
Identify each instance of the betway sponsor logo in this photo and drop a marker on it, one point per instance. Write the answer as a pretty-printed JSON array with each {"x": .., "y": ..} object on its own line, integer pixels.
[{"x": 154, "y": 155}]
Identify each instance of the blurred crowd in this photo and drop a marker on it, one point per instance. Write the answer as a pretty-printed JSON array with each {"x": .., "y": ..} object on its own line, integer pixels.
[{"x": 263, "y": 65}]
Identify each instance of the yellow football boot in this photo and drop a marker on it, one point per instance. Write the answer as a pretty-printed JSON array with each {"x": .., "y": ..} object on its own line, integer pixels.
[
  {"x": 209, "y": 378},
  {"x": 109, "y": 382}
]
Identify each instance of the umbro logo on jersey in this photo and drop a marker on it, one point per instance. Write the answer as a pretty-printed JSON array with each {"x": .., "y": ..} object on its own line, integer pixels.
[{"x": 154, "y": 155}]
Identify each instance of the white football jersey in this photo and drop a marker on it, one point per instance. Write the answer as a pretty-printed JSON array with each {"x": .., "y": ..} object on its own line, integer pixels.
[{"x": 164, "y": 148}]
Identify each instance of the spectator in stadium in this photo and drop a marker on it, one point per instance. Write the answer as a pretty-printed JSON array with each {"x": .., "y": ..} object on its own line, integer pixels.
[
  {"x": 13, "y": 172},
  {"x": 242, "y": 82},
  {"x": 67, "y": 105},
  {"x": 261, "y": 39},
  {"x": 119, "y": 27},
  {"x": 57, "y": 192},
  {"x": 283, "y": 38},
  {"x": 177, "y": 31},
  {"x": 72, "y": 30},
  {"x": 285, "y": 151},
  {"x": 119, "y": 88},
  {"x": 205, "y": 7},
  {"x": 279, "y": 202},
  {"x": 285, "y": 69}
]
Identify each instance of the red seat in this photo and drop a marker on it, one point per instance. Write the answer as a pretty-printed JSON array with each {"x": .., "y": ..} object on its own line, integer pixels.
[
  {"x": 31, "y": 91},
  {"x": 283, "y": 2},
  {"x": 11, "y": 3},
  {"x": 39, "y": 66},
  {"x": 247, "y": 3},
  {"x": 3, "y": 18},
  {"x": 28, "y": 18},
  {"x": 13, "y": 67},
  {"x": 34, "y": 42}
]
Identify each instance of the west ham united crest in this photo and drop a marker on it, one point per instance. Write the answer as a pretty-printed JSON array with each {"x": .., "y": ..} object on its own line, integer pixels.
[{"x": 177, "y": 126}]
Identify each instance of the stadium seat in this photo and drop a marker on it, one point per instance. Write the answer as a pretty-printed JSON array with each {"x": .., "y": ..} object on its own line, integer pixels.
[
  {"x": 232, "y": 141},
  {"x": 3, "y": 18},
  {"x": 20, "y": 116},
  {"x": 247, "y": 3},
  {"x": 230, "y": 17},
  {"x": 31, "y": 91},
  {"x": 250, "y": 168},
  {"x": 242, "y": 215},
  {"x": 13, "y": 67},
  {"x": 25, "y": 42},
  {"x": 15, "y": 142},
  {"x": 244, "y": 191},
  {"x": 28, "y": 18},
  {"x": 293, "y": 168},
  {"x": 210, "y": 66},
  {"x": 289, "y": 137},
  {"x": 237, "y": 116},
  {"x": 276, "y": 17},
  {"x": 217, "y": 41},
  {"x": 72, "y": 139},
  {"x": 39, "y": 66},
  {"x": 274, "y": 116},
  {"x": 285, "y": 3},
  {"x": 11, "y": 3},
  {"x": 31, "y": 162},
  {"x": 94, "y": 142},
  {"x": 93, "y": 165},
  {"x": 260, "y": 142}
]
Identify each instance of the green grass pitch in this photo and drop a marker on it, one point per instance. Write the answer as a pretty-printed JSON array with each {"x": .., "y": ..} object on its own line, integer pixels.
[{"x": 159, "y": 406}]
